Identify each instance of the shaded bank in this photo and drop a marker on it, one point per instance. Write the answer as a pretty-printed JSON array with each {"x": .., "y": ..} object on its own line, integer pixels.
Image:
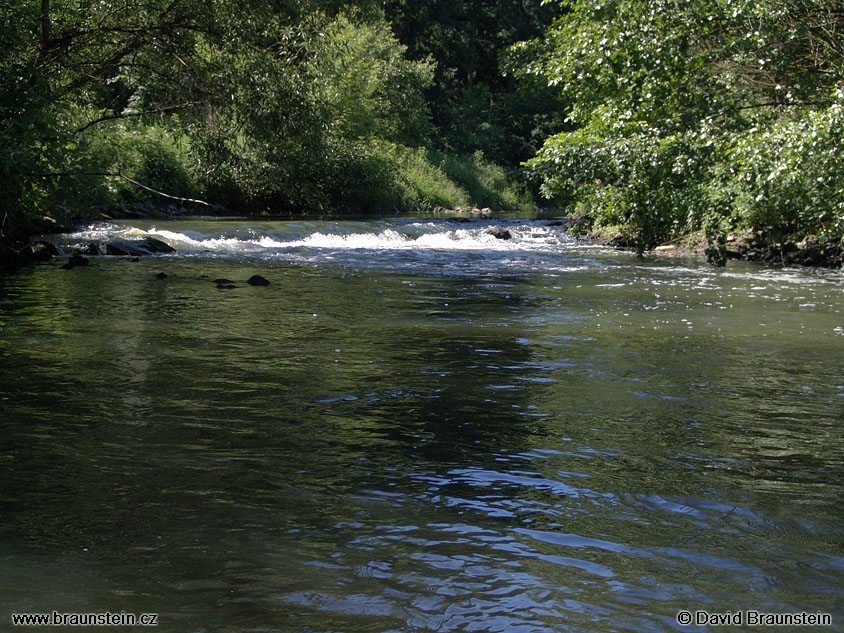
[
  {"x": 748, "y": 246},
  {"x": 25, "y": 243}
]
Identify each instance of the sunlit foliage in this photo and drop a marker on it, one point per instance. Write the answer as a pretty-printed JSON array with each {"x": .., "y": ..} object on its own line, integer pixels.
[{"x": 706, "y": 115}]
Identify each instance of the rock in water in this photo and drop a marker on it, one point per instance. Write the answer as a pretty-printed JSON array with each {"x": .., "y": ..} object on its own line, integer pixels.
[
  {"x": 156, "y": 246},
  {"x": 76, "y": 260},
  {"x": 500, "y": 233},
  {"x": 124, "y": 248},
  {"x": 257, "y": 280},
  {"x": 95, "y": 249},
  {"x": 146, "y": 246},
  {"x": 222, "y": 281},
  {"x": 40, "y": 251}
]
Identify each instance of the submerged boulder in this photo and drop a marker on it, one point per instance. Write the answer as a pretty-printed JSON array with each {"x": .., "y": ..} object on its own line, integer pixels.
[
  {"x": 75, "y": 260},
  {"x": 257, "y": 280}
]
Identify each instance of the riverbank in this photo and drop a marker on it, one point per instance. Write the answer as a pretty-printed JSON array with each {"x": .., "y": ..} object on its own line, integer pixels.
[
  {"x": 20, "y": 244},
  {"x": 747, "y": 246},
  {"x": 810, "y": 251}
]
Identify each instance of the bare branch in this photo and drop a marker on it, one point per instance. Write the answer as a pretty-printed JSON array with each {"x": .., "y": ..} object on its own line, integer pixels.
[{"x": 160, "y": 193}]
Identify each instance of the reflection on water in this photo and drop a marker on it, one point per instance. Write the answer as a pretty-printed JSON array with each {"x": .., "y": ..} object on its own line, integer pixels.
[{"x": 403, "y": 438}]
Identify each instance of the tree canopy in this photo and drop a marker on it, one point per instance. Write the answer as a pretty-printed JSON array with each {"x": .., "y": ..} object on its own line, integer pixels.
[{"x": 713, "y": 114}]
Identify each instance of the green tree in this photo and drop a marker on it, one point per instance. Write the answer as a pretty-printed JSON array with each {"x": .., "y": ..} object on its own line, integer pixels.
[
  {"x": 369, "y": 87},
  {"x": 305, "y": 115},
  {"x": 68, "y": 66},
  {"x": 681, "y": 111},
  {"x": 270, "y": 106}
]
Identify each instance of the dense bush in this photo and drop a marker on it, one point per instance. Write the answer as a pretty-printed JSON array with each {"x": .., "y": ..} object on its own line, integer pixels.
[
  {"x": 158, "y": 157},
  {"x": 789, "y": 175},
  {"x": 382, "y": 177},
  {"x": 487, "y": 184}
]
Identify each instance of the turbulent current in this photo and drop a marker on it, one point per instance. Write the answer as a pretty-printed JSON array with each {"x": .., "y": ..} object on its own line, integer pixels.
[
  {"x": 471, "y": 245},
  {"x": 419, "y": 425}
]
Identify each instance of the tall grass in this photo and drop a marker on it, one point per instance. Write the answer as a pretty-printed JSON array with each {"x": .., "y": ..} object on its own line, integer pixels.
[
  {"x": 486, "y": 184},
  {"x": 379, "y": 176}
]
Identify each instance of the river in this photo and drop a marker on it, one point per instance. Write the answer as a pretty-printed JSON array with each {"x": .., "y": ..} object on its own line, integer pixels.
[{"x": 418, "y": 427}]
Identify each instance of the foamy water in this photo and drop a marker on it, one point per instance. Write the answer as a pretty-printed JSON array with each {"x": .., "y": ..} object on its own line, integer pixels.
[{"x": 385, "y": 244}]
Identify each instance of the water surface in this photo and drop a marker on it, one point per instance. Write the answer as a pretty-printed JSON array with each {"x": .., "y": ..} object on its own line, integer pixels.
[{"x": 418, "y": 427}]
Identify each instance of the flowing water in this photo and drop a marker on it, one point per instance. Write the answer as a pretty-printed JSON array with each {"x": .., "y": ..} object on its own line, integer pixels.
[{"x": 418, "y": 427}]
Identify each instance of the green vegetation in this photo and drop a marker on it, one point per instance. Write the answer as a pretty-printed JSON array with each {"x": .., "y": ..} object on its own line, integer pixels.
[
  {"x": 715, "y": 116},
  {"x": 258, "y": 107},
  {"x": 662, "y": 118}
]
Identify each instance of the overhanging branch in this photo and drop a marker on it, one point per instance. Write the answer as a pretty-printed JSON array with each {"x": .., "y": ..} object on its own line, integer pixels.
[
  {"x": 161, "y": 193},
  {"x": 110, "y": 174},
  {"x": 127, "y": 115}
]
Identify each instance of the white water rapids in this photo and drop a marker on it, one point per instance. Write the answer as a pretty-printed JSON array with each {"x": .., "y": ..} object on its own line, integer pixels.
[{"x": 447, "y": 246}]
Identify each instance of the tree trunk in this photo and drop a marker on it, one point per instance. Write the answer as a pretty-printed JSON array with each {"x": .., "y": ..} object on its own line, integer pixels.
[{"x": 45, "y": 24}]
